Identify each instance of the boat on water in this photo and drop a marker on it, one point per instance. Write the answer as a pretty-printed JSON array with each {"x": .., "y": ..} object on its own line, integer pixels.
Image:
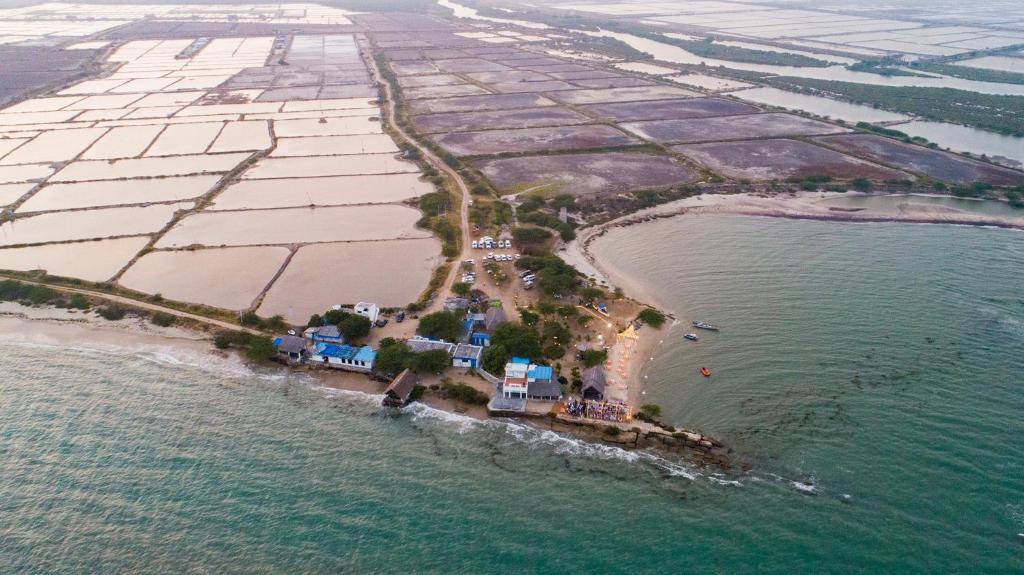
[
  {"x": 705, "y": 325},
  {"x": 691, "y": 336},
  {"x": 705, "y": 372}
]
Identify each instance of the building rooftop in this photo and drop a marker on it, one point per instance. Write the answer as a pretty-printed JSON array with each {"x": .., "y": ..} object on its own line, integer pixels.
[
  {"x": 290, "y": 344},
  {"x": 593, "y": 378},
  {"x": 364, "y": 354},
  {"x": 465, "y": 351},
  {"x": 400, "y": 388},
  {"x": 328, "y": 331},
  {"x": 520, "y": 360},
  {"x": 541, "y": 373},
  {"x": 422, "y": 344},
  {"x": 544, "y": 389},
  {"x": 493, "y": 317}
]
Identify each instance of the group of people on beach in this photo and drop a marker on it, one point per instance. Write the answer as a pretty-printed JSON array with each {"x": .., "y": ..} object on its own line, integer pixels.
[{"x": 591, "y": 409}]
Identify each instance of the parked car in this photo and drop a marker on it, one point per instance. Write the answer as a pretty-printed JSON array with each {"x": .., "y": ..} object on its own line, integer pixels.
[
  {"x": 400, "y": 316},
  {"x": 381, "y": 322}
]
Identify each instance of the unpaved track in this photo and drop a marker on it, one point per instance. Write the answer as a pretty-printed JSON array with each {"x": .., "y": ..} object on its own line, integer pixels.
[
  {"x": 139, "y": 304},
  {"x": 440, "y": 166}
]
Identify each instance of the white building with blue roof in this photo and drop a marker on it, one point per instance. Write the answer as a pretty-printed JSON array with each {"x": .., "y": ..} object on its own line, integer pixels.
[
  {"x": 524, "y": 380},
  {"x": 345, "y": 357}
]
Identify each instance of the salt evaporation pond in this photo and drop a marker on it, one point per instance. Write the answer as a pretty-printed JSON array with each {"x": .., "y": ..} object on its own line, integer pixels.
[
  {"x": 88, "y": 224},
  {"x": 229, "y": 278},
  {"x": 309, "y": 167},
  {"x": 295, "y": 226},
  {"x": 326, "y": 191},
  {"x": 389, "y": 273},
  {"x": 95, "y": 261},
  {"x": 335, "y": 145},
  {"x": 82, "y": 171},
  {"x": 117, "y": 192}
]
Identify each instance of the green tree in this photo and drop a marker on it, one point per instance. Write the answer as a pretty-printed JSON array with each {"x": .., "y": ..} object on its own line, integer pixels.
[
  {"x": 444, "y": 325},
  {"x": 334, "y": 317},
  {"x": 250, "y": 318},
  {"x": 433, "y": 361},
  {"x": 650, "y": 410},
  {"x": 517, "y": 340},
  {"x": 494, "y": 359},
  {"x": 276, "y": 323},
  {"x": 563, "y": 201},
  {"x": 79, "y": 301},
  {"x": 315, "y": 321},
  {"x": 260, "y": 348},
  {"x": 528, "y": 317},
  {"x": 862, "y": 184},
  {"x": 162, "y": 319},
  {"x": 652, "y": 317},
  {"x": 530, "y": 239},
  {"x": 461, "y": 289},
  {"x": 553, "y": 332},
  {"x": 554, "y": 351},
  {"x": 594, "y": 357},
  {"x": 354, "y": 327},
  {"x": 393, "y": 359}
]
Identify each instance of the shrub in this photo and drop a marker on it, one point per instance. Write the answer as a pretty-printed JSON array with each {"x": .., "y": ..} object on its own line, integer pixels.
[
  {"x": 611, "y": 430},
  {"x": 440, "y": 325},
  {"x": 315, "y": 321},
  {"x": 652, "y": 317},
  {"x": 432, "y": 361},
  {"x": 554, "y": 351},
  {"x": 465, "y": 393},
  {"x": 861, "y": 184},
  {"x": 650, "y": 411},
  {"x": 276, "y": 323},
  {"x": 223, "y": 340},
  {"x": 112, "y": 312},
  {"x": 594, "y": 357},
  {"x": 162, "y": 319},
  {"x": 79, "y": 301},
  {"x": 417, "y": 393},
  {"x": 250, "y": 318},
  {"x": 354, "y": 327},
  {"x": 260, "y": 348}
]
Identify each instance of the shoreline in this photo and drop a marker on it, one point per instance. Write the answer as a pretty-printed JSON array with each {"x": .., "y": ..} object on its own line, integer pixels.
[
  {"x": 798, "y": 206},
  {"x": 88, "y": 333}
]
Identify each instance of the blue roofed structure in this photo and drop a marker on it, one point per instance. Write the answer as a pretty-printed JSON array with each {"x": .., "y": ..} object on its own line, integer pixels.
[
  {"x": 540, "y": 373},
  {"x": 520, "y": 360},
  {"x": 344, "y": 356}
]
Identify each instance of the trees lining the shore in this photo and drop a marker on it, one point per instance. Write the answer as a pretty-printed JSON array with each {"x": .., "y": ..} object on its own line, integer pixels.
[{"x": 652, "y": 317}]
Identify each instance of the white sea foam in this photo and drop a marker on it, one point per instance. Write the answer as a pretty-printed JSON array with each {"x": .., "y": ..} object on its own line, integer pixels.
[
  {"x": 804, "y": 487},
  {"x": 419, "y": 411}
]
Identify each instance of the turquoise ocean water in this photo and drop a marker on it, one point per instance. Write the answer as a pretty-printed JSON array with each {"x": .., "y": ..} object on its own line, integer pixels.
[{"x": 870, "y": 375}]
